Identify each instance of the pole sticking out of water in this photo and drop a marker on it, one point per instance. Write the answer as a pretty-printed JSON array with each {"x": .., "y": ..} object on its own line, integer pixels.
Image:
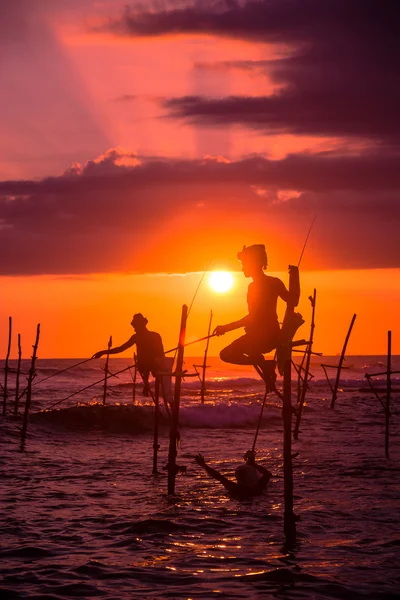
[
  {"x": 134, "y": 378},
  {"x": 289, "y": 517},
  {"x": 106, "y": 371},
  {"x": 31, "y": 375},
  {"x": 18, "y": 374},
  {"x": 156, "y": 445},
  {"x": 204, "y": 367},
  {"x": 339, "y": 368},
  {"x": 306, "y": 369},
  {"x": 5, "y": 390},
  {"x": 388, "y": 393},
  {"x": 174, "y": 431}
]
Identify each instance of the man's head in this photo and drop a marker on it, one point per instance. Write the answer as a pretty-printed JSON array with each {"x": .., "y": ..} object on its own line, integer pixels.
[
  {"x": 250, "y": 457},
  {"x": 253, "y": 258},
  {"x": 139, "y": 322}
]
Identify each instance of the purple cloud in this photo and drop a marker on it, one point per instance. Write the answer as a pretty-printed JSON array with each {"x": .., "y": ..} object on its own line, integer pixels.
[
  {"x": 338, "y": 79},
  {"x": 113, "y": 213}
]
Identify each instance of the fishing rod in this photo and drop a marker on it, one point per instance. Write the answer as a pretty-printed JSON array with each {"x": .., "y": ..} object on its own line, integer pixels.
[
  {"x": 206, "y": 337},
  {"x": 198, "y": 287},
  {"x": 84, "y": 389},
  {"x": 305, "y": 243},
  {"x": 190, "y": 307}
]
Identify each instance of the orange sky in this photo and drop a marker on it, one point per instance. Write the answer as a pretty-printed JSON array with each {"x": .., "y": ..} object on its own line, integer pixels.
[
  {"x": 77, "y": 315},
  {"x": 73, "y": 92}
]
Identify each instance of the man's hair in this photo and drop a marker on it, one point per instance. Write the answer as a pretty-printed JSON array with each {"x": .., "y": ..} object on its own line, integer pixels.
[{"x": 256, "y": 253}]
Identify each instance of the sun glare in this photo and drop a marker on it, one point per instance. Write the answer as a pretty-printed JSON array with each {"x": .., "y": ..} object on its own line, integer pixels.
[{"x": 220, "y": 281}]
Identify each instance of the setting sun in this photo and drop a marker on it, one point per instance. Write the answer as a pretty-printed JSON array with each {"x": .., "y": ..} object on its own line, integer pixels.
[{"x": 220, "y": 281}]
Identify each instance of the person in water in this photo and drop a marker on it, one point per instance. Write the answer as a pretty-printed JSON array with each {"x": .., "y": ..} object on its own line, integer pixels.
[
  {"x": 150, "y": 350},
  {"x": 251, "y": 478},
  {"x": 261, "y": 324}
]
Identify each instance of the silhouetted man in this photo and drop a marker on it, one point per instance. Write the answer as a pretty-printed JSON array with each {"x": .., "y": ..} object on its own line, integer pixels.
[
  {"x": 261, "y": 324},
  {"x": 251, "y": 478},
  {"x": 150, "y": 350}
]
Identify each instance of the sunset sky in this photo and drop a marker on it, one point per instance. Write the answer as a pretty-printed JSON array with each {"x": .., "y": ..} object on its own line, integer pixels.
[{"x": 143, "y": 141}]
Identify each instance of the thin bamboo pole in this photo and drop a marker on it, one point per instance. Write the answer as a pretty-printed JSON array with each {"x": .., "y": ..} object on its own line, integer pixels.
[
  {"x": 5, "y": 390},
  {"x": 106, "y": 371},
  {"x": 134, "y": 378},
  {"x": 388, "y": 393},
  {"x": 18, "y": 374},
  {"x": 289, "y": 516},
  {"x": 304, "y": 388},
  {"x": 203, "y": 378},
  {"x": 31, "y": 376},
  {"x": 300, "y": 379},
  {"x": 174, "y": 431},
  {"x": 156, "y": 445},
  {"x": 339, "y": 368}
]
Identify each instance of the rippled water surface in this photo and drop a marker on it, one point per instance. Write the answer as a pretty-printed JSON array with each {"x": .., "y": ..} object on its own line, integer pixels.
[{"x": 82, "y": 515}]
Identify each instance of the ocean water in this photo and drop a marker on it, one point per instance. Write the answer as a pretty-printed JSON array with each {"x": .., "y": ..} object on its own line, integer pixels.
[{"x": 82, "y": 516}]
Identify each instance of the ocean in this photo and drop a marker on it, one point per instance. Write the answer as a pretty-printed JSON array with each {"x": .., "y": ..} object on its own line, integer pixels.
[{"x": 82, "y": 515}]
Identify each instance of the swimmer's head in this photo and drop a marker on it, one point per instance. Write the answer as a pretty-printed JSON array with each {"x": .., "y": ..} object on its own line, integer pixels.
[
  {"x": 253, "y": 258},
  {"x": 250, "y": 457}
]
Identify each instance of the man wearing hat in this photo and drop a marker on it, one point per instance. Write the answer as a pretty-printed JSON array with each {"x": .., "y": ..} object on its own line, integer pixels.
[
  {"x": 261, "y": 324},
  {"x": 150, "y": 350}
]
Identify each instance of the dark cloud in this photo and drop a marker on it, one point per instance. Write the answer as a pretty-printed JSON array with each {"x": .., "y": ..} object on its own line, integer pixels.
[
  {"x": 126, "y": 212},
  {"x": 339, "y": 76}
]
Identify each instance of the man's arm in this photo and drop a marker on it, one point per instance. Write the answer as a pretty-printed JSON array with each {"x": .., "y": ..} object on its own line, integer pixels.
[
  {"x": 291, "y": 296},
  {"x": 229, "y": 485},
  {"x": 221, "y": 329},
  {"x": 117, "y": 349}
]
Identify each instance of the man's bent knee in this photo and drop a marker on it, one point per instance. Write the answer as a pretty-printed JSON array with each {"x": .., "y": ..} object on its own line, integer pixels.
[{"x": 225, "y": 355}]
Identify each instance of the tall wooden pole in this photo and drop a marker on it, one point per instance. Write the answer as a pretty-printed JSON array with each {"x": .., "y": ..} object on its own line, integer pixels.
[
  {"x": 388, "y": 393},
  {"x": 335, "y": 389},
  {"x": 307, "y": 368},
  {"x": 289, "y": 516},
  {"x": 174, "y": 431},
  {"x": 203, "y": 379},
  {"x": 18, "y": 374},
  {"x": 134, "y": 379},
  {"x": 31, "y": 376},
  {"x": 156, "y": 445},
  {"x": 106, "y": 371},
  {"x": 5, "y": 390}
]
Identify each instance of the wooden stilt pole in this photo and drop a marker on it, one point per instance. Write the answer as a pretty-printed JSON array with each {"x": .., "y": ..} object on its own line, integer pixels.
[
  {"x": 106, "y": 372},
  {"x": 388, "y": 393},
  {"x": 307, "y": 368},
  {"x": 174, "y": 431},
  {"x": 5, "y": 390},
  {"x": 156, "y": 445},
  {"x": 203, "y": 378},
  {"x": 289, "y": 516},
  {"x": 31, "y": 376},
  {"x": 18, "y": 374},
  {"x": 134, "y": 379},
  {"x": 335, "y": 389}
]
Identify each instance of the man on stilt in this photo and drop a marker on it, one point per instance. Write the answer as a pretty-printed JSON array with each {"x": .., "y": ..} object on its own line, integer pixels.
[
  {"x": 150, "y": 350},
  {"x": 261, "y": 324}
]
